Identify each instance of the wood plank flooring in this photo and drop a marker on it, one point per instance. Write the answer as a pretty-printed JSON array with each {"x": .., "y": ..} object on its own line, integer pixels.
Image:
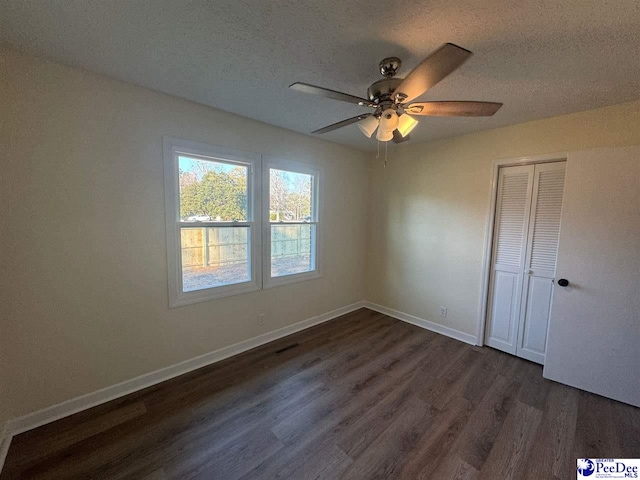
[{"x": 364, "y": 396}]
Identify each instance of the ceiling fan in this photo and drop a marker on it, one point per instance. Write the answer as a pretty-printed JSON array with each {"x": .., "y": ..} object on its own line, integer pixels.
[{"x": 391, "y": 97}]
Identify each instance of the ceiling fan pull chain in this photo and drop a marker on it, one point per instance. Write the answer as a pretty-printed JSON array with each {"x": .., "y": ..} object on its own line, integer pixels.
[
  {"x": 378, "y": 153},
  {"x": 386, "y": 144}
]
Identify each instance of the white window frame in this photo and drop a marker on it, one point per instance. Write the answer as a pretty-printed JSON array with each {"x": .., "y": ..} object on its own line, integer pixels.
[
  {"x": 173, "y": 147},
  {"x": 267, "y": 164}
]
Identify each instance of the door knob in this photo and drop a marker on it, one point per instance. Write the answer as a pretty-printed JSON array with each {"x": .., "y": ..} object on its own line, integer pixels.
[{"x": 563, "y": 282}]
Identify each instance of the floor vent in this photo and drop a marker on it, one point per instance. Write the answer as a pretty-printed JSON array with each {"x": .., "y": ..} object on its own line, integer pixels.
[{"x": 288, "y": 347}]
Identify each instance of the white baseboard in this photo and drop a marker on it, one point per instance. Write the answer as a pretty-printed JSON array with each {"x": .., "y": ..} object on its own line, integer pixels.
[
  {"x": 84, "y": 402},
  {"x": 426, "y": 324}
]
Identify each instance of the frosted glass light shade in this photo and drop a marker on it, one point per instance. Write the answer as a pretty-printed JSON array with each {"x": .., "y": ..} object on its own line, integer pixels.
[
  {"x": 388, "y": 120},
  {"x": 406, "y": 124},
  {"x": 368, "y": 125},
  {"x": 384, "y": 135}
]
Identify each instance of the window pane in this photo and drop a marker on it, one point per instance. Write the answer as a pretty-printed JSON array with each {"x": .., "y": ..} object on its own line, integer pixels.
[
  {"x": 291, "y": 249},
  {"x": 290, "y": 196},
  {"x": 214, "y": 256},
  {"x": 212, "y": 191}
]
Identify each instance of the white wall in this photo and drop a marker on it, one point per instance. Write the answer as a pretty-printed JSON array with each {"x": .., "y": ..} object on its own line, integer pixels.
[
  {"x": 594, "y": 332},
  {"x": 83, "y": 290},
  {"x": 428, "y": 210}
]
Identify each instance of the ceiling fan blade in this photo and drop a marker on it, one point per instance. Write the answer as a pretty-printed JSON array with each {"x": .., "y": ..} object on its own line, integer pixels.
[
  {"x": 453, "y": 109},
  {"x": 432, "y": 69},
  {"x": 343, "y": 123},
  {"x": 398, "y": 138},
  {"x": 325, "y": 92}
]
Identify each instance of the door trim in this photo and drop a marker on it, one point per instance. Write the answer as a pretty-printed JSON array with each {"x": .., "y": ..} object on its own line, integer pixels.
[{"x": 489, "y": 227}]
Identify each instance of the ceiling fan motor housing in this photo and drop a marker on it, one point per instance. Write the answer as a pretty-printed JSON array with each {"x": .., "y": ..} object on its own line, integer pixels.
[{"x": 383, "y": 89}]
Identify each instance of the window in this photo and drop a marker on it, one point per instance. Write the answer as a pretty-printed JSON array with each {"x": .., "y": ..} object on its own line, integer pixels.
[
  {"x": 212, "y": 236},
  {"x": 291, "y": 227},
  {"x": 215, "y": 215}
]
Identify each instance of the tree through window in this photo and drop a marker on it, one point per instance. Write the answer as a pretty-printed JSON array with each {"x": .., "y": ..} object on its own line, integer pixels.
[{"x": 236, "y": 222}]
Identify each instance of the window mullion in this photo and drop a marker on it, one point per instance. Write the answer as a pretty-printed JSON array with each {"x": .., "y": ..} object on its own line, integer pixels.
[
  {"x": 214, "y": 224},
  {"x": 292, "y": 223}
]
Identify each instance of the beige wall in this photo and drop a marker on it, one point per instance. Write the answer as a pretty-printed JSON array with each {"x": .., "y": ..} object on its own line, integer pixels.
[
  {"x": 83, "y": 290},
  {"x": 84, "y": 265},
  {"x": 4, "y": 387},
  {"x": 428, "y": 209}
]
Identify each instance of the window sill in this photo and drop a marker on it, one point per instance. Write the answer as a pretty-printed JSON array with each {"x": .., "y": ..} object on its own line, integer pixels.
[
  {"x": 291, "y": 279},
  {"x": 198, "y": 296}
]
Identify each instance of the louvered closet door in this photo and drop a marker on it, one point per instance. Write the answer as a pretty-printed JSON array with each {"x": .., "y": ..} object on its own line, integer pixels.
[
  {"x": 513, "y": 206},
  {"x": 540, "y": 260}
]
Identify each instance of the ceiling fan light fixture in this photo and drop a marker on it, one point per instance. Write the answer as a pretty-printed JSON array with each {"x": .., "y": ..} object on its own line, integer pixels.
[
  {"x": 388, "y": 121},
  {"x": 368, "y": 125},
  {"x": 406, "y": 123},
  {"x": 384, "y": 135},
  {"x": 392, "y": 97}
]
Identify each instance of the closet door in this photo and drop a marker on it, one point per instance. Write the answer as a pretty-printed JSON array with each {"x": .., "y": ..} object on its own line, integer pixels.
[
  {"x": 513, "y": 205},
  {"x": 540, "y": 260}
]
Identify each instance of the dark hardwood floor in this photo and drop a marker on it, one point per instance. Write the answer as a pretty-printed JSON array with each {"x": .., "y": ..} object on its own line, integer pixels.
[{"x": 361, "y": 397}]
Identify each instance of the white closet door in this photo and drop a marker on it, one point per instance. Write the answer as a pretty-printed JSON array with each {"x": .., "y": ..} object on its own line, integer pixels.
[
  {"x": 540, "y": 260},
  {"x": 513, "y": 206}
]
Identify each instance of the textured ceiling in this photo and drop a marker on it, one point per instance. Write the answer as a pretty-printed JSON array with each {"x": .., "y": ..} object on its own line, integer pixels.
[{"x": 540, "y": 58}]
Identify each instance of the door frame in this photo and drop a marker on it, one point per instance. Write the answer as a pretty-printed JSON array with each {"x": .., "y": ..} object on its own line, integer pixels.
[{"x": 489, "y": 228}]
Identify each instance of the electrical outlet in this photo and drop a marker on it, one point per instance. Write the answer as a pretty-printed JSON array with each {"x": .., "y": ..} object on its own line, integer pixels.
[
  {"x": 443, "y": 312},
  {"x": 261, "y": 319}
]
